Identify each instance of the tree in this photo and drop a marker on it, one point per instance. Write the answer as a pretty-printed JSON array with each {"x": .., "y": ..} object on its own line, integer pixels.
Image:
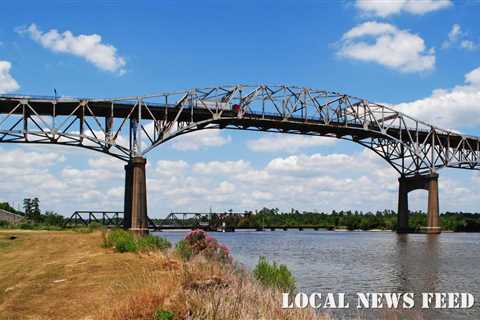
[
  {"x": 32, "y": 209},
  {"x": 6, "y": 206},
  {"x": 27, "y": 207}
]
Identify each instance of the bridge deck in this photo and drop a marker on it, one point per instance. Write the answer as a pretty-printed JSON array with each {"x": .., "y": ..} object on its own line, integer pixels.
[{"x": 263, "y": 121}]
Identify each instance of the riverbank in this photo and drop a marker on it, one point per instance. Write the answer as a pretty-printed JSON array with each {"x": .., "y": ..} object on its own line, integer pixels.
[{"x": 68, "y": 275}]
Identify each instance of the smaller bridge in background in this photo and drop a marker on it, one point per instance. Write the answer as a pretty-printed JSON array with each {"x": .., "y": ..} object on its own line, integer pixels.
[{"x": 208, "y": 221}]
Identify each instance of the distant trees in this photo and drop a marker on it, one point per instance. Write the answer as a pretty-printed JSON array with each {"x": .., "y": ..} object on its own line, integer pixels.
[
  {"x": 31, "y": 208},
  {"x": 34, "y": 214},
  {"x": 386, "y": 220},
  {"x": 6, "y": 206}
]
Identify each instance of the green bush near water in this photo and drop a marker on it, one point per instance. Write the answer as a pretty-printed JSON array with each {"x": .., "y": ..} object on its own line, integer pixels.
[
  {"x": 184, "y": 249},
  {"x": 273, "y": 275},
  {"x": 149, "y": 243},
  {"x": 124, "y": 241}
]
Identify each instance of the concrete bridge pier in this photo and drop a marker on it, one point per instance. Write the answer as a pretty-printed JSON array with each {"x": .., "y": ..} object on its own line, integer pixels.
[
  {"x": 427, "y": 182},
  {"x": 135, "y": 206}
]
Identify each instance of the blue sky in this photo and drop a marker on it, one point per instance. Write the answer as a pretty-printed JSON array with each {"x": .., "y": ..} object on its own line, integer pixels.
[{"x": 390, "y": 52}]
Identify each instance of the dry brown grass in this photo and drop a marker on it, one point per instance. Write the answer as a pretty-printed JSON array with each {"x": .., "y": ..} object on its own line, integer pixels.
[
  {"x": 66, "y": 275},
  {"x": 199, "y": 289}
]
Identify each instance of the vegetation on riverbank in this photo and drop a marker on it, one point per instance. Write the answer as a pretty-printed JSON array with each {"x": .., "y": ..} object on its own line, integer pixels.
[
  {"x": 352, "y": 220},
  {"x": 58, "y": 275}
]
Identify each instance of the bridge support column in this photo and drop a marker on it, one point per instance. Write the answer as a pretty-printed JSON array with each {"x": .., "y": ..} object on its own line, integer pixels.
[
  {"x": 427, "y": 182},
  {"x": 135, "y": 206}
]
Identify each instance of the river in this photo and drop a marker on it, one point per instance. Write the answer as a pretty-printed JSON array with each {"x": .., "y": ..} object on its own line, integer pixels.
[{"x": 351, "y": 262}]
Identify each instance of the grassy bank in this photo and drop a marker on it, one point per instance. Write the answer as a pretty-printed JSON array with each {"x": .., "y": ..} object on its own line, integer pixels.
[{"x": 68, "y": 275}]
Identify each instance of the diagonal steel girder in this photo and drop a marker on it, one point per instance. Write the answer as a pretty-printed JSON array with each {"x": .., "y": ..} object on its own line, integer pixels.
[{"x": 133, "y": 126}]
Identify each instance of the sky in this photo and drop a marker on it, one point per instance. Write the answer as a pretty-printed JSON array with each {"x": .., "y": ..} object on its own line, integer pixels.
[{"x": 421, "y": 57}]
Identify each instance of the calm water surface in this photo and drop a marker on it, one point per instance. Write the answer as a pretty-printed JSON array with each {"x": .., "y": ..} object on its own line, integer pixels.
[{"x": 350, "y": 262}]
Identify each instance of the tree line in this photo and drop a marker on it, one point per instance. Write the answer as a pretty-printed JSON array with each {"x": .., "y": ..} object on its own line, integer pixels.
[
  {"x": 33, "y": 214},
  {"x": 351, "y": 220},
  {"x": 273, "y": 217}
]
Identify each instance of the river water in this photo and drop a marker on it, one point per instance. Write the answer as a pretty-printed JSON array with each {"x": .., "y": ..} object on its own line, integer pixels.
[{"x": 351, "y": 262}]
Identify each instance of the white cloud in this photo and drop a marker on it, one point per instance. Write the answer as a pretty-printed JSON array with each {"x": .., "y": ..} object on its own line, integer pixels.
[
  {"x": 453, "y": 36},
  {"x": 456, "y": 108},
  {"x": 171, "y": 167},
  {"x": 308, "y": 164},
  {"x": 106, "y": 163},
  {"x": 20, "y": 158},
  {"x": 7, "y": 82},
  {"x": 468, "y": 45},
  {"x": 287, "y": 143},
  {"x": 360, "y": 180},
  {"x": 387, "y": 45},
  {"x": 221, "y": 167},
  {"x": 457, "y": 36},
  {"x": 89, "y": 47},
  {"x": 473, "y": 77},
  {"x": 200, "y": 140},
  {"x": 384, "y": 8}
]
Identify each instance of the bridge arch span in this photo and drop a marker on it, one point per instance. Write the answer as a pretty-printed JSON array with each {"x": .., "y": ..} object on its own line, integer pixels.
[{"x": 129, "y": 128}]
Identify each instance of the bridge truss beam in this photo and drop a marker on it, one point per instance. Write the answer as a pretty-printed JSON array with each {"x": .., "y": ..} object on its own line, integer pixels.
[{"x": 128, "y": 128}]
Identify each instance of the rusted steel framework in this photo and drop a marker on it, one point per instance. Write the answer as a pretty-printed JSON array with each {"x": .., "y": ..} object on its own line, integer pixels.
[
  {"x": 186, "y": 219},
  {"x": 106, "y": 218},
  {"x": 133, "y": 126}
]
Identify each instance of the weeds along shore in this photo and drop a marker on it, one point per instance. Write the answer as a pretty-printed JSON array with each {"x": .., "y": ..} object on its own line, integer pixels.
[{"x": 98, "y": 274}]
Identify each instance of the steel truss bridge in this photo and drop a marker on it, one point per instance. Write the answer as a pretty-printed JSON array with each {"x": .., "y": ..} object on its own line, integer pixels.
[
  {"x": 129, "y": 128},
  {"x": 175, "y": 220}
]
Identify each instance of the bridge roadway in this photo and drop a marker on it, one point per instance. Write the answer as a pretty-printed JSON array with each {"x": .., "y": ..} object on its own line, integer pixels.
[
  {"x": 258, "y": 120},
  {"x": 415, "y": 149}
]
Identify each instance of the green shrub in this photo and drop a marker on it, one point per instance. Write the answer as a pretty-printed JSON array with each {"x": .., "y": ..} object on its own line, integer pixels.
[
  {"x": 52, "y": 218},
  {"x": 95, "y": 226},
  {"x": 5, "y": 224},
  {"x": 124, "y": 241},
  {"x": 198, "y": 242},
  {"x": 273, "y": 275},
  {"x": 149, "y": 243},
  {"x": 184, "y": 249},
  {"x": 163, "y": 315},
  {"x": 26, "y": 225}
]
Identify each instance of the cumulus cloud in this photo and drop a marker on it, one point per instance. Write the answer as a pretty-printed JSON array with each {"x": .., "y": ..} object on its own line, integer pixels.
[
  {"x": 387, "y": 45},
  {"x": 287, "y": 143},
  {"x": 7, "y": 82},
  {"x": 468, "y": 45},
  {"x": 359, "y": 180},
  {"x": 221, "y": 167},
  {"x": 317, "y": 163},
  {"x": 457, "y": 37},
  {"x": 456, "y": 108},
  {"x": 453, "y": 36},
  {"x": 387, "y": 8},
  {"x": 89, "y": 47},
  {"x": 171, "y": 167},
  {"x": 200, "y": 140}
]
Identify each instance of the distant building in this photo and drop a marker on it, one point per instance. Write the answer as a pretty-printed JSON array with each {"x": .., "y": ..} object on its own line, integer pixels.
[{"x": 10, "y": 217}]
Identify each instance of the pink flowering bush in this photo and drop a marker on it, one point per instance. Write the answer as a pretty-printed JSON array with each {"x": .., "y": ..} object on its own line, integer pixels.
[{"x": 199, "y": 242}]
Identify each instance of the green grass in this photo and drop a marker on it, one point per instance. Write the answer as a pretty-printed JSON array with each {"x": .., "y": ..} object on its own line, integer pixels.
[
  {"x": 274, "y": 276},
  {"x": 184, "y": 249},
  {"x": 163, "y": 315},
  {"x": 124, "y": 241}
]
